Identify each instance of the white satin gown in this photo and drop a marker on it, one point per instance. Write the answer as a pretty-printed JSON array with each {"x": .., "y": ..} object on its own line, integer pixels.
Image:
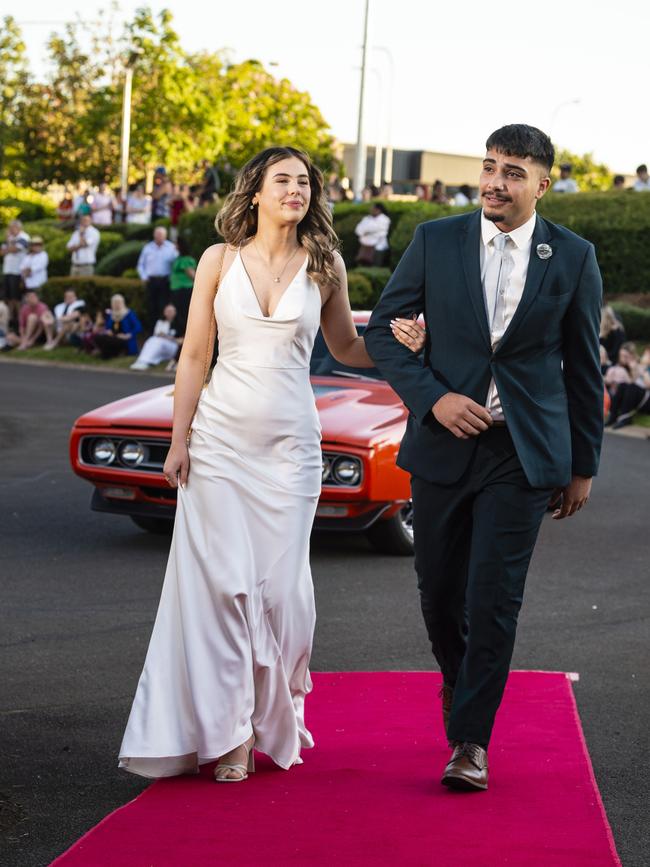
[{"x": 230, "y": 648}]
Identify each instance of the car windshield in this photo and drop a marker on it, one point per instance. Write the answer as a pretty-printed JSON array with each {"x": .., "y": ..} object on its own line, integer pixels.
[{"x": 323, "y": 362}]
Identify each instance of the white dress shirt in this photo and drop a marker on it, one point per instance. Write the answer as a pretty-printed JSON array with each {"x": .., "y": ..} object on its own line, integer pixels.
[
  {"x": 37, "y": 264},
  {"x": 373, "y": 231},
  {"x": 156, "y": 259},
  {"x": 641, "y": 186},
  {"x": 565, "y": 185},
  {"x": 102, "y": 206},
  {"x": 84, "y": 255},
  {"x": 519, "y": 250},
  {"x": 13, "y": 262}
]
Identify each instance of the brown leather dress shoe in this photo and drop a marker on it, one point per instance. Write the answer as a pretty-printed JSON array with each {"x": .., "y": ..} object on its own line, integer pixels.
[
  {"x": 467, "y": 769},
  {"x": 447, "y": 695}
]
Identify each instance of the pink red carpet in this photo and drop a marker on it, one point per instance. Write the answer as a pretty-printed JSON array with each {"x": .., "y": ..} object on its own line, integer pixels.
[{"x": 369, "y": 794}]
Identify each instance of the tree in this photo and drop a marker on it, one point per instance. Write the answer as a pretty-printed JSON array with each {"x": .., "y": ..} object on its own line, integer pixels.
[
  {"x": 589, "y": 174},
  {"x": 185, "y": 107},
  {"x": 14, "y": 81}
]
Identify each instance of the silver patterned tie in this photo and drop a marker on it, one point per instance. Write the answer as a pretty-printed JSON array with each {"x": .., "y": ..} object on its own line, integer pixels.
[{"x": 496, "y": 279}]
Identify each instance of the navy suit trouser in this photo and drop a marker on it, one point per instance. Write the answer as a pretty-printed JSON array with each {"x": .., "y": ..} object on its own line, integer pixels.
[{"x": 473, "y": 544}]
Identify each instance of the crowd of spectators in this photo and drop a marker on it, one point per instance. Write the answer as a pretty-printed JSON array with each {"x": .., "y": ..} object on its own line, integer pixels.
[{"x": 626, "y": 375}]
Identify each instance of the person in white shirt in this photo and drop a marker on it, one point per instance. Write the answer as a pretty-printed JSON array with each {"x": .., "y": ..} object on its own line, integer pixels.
[
  {"x": 83, "y": 245},
  {"x": 67, "y": 318},
  {"x": 13, "y": 252},
  {"x": 164, "y": 344},
  {"x": 463, "y": 197},
  {"x": 34, "y": 265},
  {"x": 642, "y": 183},
  {"x": 138, "y": 206},
  {"x": 154, "y": 267},
  {"x": 372, "y": 232},
  {"x": 565, "y": 184},
  {"x": 102, "y": 206}
]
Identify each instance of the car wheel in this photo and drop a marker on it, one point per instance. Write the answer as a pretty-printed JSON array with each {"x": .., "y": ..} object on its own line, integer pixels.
[
  {"x": 159, "y": 526},
  {"x": 394, "y": 536}
]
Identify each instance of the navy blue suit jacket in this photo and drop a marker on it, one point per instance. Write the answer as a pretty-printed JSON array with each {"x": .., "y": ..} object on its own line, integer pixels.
[{"x": 546, "y": 366}]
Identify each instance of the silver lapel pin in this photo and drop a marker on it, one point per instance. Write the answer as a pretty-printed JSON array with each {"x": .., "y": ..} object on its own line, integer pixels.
[{"x": 544, "y": 251}]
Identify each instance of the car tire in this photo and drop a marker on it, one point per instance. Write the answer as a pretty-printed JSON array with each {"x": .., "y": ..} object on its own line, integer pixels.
[
  {"x": 394, "y": 535},
  {"x": 159, "y": 526}
]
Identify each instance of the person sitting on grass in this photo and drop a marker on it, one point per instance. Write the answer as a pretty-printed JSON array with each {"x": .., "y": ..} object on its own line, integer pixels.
[
  {"x": 67, "y": 317},
  {"x": 35, "y": 323},
  {"x": 121, "y": 328},
  {"x": 625, "y": 370},
  {"x": 631, "y": 397},
  {"x": 164, "y": 344},
  {"x": 612, "y": 333}
]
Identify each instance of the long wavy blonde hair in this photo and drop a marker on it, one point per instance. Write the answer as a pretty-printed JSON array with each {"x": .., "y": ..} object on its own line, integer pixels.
[{"x": 236, "y": 221}]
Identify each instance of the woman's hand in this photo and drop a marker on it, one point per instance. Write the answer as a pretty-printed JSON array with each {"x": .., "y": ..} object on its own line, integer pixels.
[
  {"x": 409, "y": 333},
  {"x": 177, "y": 465}
]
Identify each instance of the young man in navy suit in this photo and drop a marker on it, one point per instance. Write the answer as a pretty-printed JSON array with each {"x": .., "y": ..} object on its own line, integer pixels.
[{"x": 505, "y": 416}]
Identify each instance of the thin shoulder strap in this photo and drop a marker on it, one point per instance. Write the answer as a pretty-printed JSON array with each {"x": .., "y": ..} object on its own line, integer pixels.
[{"x": 213, "y": 321}]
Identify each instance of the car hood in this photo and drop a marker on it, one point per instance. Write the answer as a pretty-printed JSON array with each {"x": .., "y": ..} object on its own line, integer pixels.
[{"x": 356, "y": 412}]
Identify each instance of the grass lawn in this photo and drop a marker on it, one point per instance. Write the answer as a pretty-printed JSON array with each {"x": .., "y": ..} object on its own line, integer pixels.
[{"x": 70, "y": 355}]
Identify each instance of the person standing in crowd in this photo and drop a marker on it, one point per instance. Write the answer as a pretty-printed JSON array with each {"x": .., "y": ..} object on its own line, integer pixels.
[
  {"x": 102, "y": 206},
  {"x": 120, "y": 330},
  {"x": 163, "y": 345},
  {"x": 181, "y": 279},
  {"x": 67, "y": 318},
  {"x": 506, "y": 417},
  {"x": 618, "y": 184},
  {"x": 83, "y": 245},
  {"x": 154, "y": 267},
  {"x": 439, "y": 193},
  {"x": 34, "y": 265},
  {"x": 65, "y": 208},
  {"x": 372, "y": 232},
  {"x": 210, "y": 183},
  {"x": 160, "y": 195},
  {"x": 138, "y": 206},
  {"x": 565, "y": 183},
  {"x": 35, "y": 323},
  {"x": 83, "y": 206},
  {"x": 642, "y": 183},
  {"x": 13, "y": 251},
  {"x": 180, "y": 203},
  {"x": 464, "y": 196},
  {"x": 612, "y": 333}
]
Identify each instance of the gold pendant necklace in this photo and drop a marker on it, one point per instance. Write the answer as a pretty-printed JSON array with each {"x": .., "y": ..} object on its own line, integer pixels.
[{"x": 268, "y": 267}]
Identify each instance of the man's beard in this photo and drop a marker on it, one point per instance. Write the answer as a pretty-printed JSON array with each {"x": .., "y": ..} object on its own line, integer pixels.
[{"x": 495, "y": 217}]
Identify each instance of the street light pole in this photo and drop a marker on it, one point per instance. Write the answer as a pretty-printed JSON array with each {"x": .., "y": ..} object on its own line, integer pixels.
[
  {"x": 126, "y": 137},
  {"x": 360, "y": 163}
]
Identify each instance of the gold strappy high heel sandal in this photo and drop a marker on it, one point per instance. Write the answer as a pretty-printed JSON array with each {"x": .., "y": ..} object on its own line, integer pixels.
[{"x": 223, "y": 770}]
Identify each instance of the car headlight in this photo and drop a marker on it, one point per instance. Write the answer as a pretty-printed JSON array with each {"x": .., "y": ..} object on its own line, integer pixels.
[
  {"x": 132, "y": 453},
  {"x": 347, "y": 471},
  {"x": 103, "y": 451},
  {"x": 327, "y": 468}
]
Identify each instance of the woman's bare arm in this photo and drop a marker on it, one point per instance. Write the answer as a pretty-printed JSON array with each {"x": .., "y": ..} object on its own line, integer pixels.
[{"x": 197, "y": 347}]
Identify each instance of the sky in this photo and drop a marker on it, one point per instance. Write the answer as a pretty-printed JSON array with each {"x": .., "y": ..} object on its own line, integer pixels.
[{"x": 456, "y": 70}]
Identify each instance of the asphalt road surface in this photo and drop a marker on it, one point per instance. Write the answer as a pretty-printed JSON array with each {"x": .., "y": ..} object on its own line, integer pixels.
[{"x": 80, "y": 590}]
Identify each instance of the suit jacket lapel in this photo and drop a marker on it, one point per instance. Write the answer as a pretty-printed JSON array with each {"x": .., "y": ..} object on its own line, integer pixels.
[
  {"x": 534, "y": 276},
  {"x": 470, "y": 255}
]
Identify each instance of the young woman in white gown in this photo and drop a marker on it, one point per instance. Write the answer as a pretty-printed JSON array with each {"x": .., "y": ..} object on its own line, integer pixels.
[{"x": 228, "y": 663}]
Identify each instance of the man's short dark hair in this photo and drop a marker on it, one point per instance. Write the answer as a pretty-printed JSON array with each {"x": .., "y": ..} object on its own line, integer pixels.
[
  {"x": 521, "y": 140},
  {"x": 642, "y": 168}
]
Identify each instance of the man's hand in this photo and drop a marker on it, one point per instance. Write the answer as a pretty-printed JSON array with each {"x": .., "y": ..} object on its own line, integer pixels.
[
  {"x": 572, "y": 497},
  {"x": 461, "y": 415}
]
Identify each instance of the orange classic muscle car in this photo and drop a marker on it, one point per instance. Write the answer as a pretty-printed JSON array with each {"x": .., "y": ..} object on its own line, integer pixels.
[{"x": 121, "y": 447}]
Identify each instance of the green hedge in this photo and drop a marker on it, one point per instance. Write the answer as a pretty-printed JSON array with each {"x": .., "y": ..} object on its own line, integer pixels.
[
  {"x": 636, "y": 320},
  {"x": 618, "y": 224},
  {"x": 120, "y": 258},
  {"x": 97, "y": 291},
  {"x": 361, "y": 292},
  {"x": 47, "y": 229},
  {"x": 60, "y": 256}
]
